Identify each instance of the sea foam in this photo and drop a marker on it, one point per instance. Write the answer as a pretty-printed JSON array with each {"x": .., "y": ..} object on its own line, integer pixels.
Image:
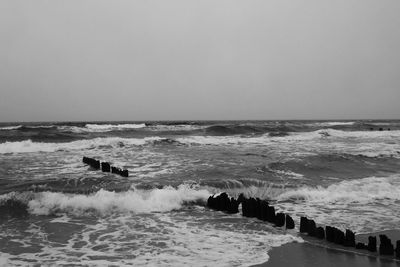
[
  {"x": 137, "y": 201},
  {"x": 364, "y": 191},
  {"x": 331, "y": 123},
  {"x": 10, "y": 127},
  {"x": 27, "y": 146},
  {"x": 111, "y": 127}
]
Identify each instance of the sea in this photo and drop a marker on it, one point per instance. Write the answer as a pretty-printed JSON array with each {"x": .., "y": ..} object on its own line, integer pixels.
[{"x": 57, "y": 211}]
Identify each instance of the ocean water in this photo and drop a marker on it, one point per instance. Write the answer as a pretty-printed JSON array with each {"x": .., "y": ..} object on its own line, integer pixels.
[{"x": 54, "y": 210}]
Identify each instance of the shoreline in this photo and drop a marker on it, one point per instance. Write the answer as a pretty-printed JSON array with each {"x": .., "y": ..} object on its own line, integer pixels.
[{"x": 314, "y": 252}]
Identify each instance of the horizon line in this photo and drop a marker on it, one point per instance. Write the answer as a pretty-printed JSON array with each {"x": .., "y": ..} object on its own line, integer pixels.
[{"x": 193, "y": 120}]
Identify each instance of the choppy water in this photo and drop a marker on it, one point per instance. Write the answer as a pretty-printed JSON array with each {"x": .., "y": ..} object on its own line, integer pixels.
[{"x": 341, "y": 173}]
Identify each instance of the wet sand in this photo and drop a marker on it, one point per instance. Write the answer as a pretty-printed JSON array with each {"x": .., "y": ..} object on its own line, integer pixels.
[{"x": 314, "y": 252}]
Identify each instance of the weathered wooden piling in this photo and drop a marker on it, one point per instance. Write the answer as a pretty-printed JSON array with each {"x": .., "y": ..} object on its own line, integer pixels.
[
  {"x": 233, "y": 206},
  {"x": 385, "y": 246},
  {"x": 280, "y": 219},
  {"x": 105, "y": 167},
  {"x": 257, "y": 209},
  {"x": 271, "y": 214},
  {"x": 115, "y": 170},
  {"x": 397, "y": 250},
  {"x": 360, "y": 245},
  {"x": 223, "y": 203},
  {"x": 320, "y": 233},
  {"x": 372, "y": 243},
  {"x": 311, "y": 227},
  {"x": 350, "y": 239},
  {"x": 329, "y": 233},
  {"x": 289, "y": 222},
  {"x": 252, "y": 204},
  {"x": 303, "y": 224},
  {"x": 245, "y": 202},
  {"x": 264, "y": 210},
  {"x": 338, "y": 236},
  {"x": 124, "y": 173},
  {"x": 96, "y": 164}
]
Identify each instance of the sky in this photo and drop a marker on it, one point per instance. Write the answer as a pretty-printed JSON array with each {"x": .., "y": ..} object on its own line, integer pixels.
[{"x": 199, "y": 60}]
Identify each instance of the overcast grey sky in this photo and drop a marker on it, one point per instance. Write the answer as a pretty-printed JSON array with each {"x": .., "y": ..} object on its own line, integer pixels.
[{"x": 204, "y": 59}]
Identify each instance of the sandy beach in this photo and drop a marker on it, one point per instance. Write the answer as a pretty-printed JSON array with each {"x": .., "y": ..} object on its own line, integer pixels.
[{"x": 321, "y": 253}]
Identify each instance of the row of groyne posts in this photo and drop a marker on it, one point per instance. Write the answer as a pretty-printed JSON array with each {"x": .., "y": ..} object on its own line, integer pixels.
[
  {"x": 260, "y": 209},
  {"x": 104, "y": 166}
]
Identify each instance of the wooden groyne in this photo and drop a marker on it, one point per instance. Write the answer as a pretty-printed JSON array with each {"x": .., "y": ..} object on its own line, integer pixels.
[
  {"x": 262, "y": 210},
  {"x": 104, "y": 166}
]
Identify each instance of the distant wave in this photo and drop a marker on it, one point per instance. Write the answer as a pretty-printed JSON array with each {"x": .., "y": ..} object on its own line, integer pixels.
[
  {"x": 251, "y": 129},
  {"x": 111, "y": 127},
  {"x": 332, "y": 123},
  {"x": 98, "y": 128},
  {"x": 10, "y": 127},
  {"x": 333, "y": 133},
  {"x": 273, "y": 129},
  {"x": 369, "y": 143},
  {"x": 76, "y": 128},
  {"x": 175, "y": 127},
  {"x": 28, "y": 146},
  {"x": 137, "y": 201},
  {"x": 232, "y": 130},
  {"x": 298, "y": 136},
  {"x": 27, "y": 127}
]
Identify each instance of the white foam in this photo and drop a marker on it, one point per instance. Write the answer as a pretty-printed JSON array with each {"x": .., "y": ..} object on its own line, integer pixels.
[
  {"x": 176, "y": 127},
  {"x": 366, "y": 190},
  {"x": 28, "y": 146},
  {"x": 195, "y": 237},
  {"x": 338, "y": 134},
  {"x": 30, "y": 126},
  {"x": 368, "y": 143},
  {"x": 371, "y": 144},
  {"x": 222, "y": 140},
  {"x": 111, "y": 127},
  {"x": 228, "y": 244},
  {"x": 137, "y": 201},
  {"x": 362, "y": 134},
  {"x": 294, "y": 136},
  {"x": 363, "y": 205},
  {"x": 10, "y": 127},
  {"x": 96, "y": 128},
  {"x": 331, "y": 123},
  {"x": 4, "y": 259},
  {"x": 288, "y": 173}
]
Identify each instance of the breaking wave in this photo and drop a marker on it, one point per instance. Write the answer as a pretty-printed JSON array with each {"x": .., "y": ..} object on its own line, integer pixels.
[
  {"x": 364, "y": 191},
  {"x": 10, "y": 127},
  {"x": 332, "y": 123},
  {"x": 100, "y": 128},
  {"x": 28, "y": 146},
  {"x": 371, "y": 144},
  {"x": 111, "y": 127},
  {"x": 103, "y": 201},
  {"x": 76, "y": 128},
  {"x": 332, "y": 133}
]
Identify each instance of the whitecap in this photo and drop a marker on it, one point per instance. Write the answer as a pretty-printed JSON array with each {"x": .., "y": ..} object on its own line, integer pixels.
[
  {"x": 364, "y": 191},
  {"x": 10, "y": 127},
  {"x": 27, "y": 146},
  {"x": 103, "y": 201},
  {"x": 111, "y": 127}
]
